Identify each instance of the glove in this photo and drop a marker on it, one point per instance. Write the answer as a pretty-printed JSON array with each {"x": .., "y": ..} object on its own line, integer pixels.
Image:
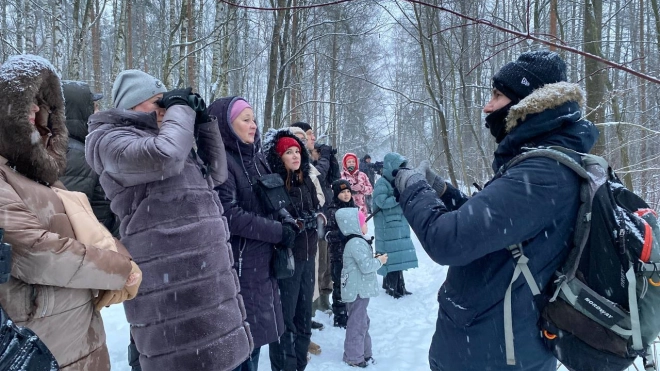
[
  {"x": 325, "y": 151},
  {"x": 436, "y": 181},
  {"x": 130, "y": 290},
  {"x": 174, "y": 97},
  {"x": 405, "y": 177},
  {"x": 288, "y": 237}
]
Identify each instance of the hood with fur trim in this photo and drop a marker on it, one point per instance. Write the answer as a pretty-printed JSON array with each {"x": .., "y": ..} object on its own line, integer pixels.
[
  {"x": 274, "y": 160},
  {"x": 36, "y": 151},
  {"x": 550, "y": 116}
]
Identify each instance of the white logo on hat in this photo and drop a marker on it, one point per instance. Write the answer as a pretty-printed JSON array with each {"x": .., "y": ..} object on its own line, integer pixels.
[{"x": 524, "y": 81}]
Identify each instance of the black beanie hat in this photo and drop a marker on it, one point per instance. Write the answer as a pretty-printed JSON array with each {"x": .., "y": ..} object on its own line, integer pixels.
[
  {"x": 530, "y": 71},
  {"x": 303, "y": 125},
  {"x": 340, "y": 185}
]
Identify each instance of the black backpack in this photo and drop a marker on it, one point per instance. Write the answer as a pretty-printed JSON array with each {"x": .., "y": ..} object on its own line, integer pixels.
[{"x": 602, "y": 310}]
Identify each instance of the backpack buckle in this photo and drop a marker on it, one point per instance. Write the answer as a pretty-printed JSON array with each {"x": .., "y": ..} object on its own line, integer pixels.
[{"x": 516, "y": 250}]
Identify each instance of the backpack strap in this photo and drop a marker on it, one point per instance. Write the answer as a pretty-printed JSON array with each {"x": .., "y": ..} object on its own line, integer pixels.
[
  {"x": 517, "y": 249},
  {"x": 521, "y": 267}
]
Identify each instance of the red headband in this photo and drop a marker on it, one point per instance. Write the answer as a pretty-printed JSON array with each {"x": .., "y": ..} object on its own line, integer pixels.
[{"x": 285, "y": 143}]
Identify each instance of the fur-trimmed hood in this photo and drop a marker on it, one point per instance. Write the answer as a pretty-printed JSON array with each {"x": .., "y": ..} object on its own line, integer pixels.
[
  {"x": 37, "y": 151},
  {"x": 550, "y": 116},
  {"x": 274, "y": 160},
  {"x": 547, "y": 97}
]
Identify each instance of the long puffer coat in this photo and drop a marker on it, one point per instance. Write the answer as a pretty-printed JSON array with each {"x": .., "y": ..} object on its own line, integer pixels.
[
  {"x": 54, "y": 276},
  {"x": 188, "y": 314},
  {"x": 391, "y": 228},
  {"x": 253, "y": 232},
  {"x": 534, "y": 202}
]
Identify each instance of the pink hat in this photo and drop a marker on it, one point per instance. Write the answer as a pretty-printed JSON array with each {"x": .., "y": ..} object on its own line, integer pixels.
[
  {"x": 362, "y": 218},
  {"x": 237, "y": 108}
]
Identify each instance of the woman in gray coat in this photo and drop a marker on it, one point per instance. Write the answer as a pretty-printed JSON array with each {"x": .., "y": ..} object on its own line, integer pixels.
[{"x": 188, "y": 314}]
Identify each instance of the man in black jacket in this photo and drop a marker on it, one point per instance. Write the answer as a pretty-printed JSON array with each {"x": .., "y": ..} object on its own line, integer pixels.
[
  {"x": 80, "y": 104},
  {"x": 367, "y": 167}
]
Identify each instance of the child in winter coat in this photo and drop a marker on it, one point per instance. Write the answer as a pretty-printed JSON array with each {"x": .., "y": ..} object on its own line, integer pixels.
[
  {"x": 342, "y": 198},
  {"x": 359, "y": 181},
  {"x": 358, "y": 284}
]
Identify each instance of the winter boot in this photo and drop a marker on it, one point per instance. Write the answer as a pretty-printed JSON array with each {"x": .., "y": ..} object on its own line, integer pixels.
[
  {"x": 362, "y": 364},
  {"x": 314, "y": 348},
  {"x": 317, "y": 326},
  {"x": 324, "y": 303}
]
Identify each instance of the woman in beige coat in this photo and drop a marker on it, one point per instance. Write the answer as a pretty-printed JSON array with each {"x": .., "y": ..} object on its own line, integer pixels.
[{"x": 55, "y": 278}]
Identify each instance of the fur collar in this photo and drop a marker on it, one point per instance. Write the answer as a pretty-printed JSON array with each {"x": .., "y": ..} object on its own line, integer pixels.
[
  {"x": 549, "y": 96},
  {"x": 37, "y": 151},
  {"x": 274, "y": 160}
]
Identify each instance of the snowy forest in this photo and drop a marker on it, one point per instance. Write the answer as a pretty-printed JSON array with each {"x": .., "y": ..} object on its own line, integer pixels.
[{"x": 371, "y": 76}]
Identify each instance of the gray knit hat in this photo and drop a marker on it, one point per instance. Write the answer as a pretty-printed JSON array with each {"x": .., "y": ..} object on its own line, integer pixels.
[
  {"x": 133, "y": 87},
  {"x": 530, "y": 71}
]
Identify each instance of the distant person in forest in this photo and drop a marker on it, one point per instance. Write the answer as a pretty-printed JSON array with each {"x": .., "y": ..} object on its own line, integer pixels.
[
  {"x": 367, "y": 167},
  {"x": 391, "y": 231},
  {"x": 80, "y": 104},
  {"x": 359, "y": 181},
  {"x": 159, "y": 161},
  {"x": 533, "y": 203}
]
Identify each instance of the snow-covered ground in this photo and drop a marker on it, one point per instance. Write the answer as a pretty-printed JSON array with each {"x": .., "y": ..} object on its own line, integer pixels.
[{"x": 401, "y": 330}]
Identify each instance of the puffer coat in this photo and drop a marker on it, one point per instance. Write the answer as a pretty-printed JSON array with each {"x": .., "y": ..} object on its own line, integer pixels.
[
  {"x": 391, "y": 228},
  {"x": 54, "y": 277},
  {"x": 188, "y": 314},
  {"x": 253, "y": 232}
]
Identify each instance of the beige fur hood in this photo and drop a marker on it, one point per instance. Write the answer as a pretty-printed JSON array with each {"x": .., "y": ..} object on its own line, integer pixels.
[
  {"x": 36, "y": 151},
  {"x": 549, "y": 96}
]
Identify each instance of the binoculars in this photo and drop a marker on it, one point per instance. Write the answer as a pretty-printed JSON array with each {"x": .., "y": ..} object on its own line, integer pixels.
[{"x": 196, "y": 102}]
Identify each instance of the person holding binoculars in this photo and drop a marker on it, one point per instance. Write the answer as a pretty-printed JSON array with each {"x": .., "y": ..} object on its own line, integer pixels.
[
  {"x": 160, "y": 156},
  {"x": 286, "y": 156}
]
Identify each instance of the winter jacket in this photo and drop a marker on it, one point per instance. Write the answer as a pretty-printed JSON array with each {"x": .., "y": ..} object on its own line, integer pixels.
[
  {"x": 188, "y": 314},
  {"x": 535, "y": 203},
  {"x": 333, "y": 235},
  {"x": 304, "y": 203},
  {"x": 367, "y": 168},
  {"x": 391, "y": 228},
  {"x": 54, "y": 276},
  {"x": 78, "y": 176},
  {"x": 358, "y": 276},
  {"x": 322, "y": 165},
  {"x": 359, "y": 182},
  {"x": 253, "y": 232}
]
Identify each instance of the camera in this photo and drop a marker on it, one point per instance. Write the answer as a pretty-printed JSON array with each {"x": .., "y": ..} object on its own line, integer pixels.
[
  {"x": 5, "y": 259},
  {"x": 308, "y": 220}
]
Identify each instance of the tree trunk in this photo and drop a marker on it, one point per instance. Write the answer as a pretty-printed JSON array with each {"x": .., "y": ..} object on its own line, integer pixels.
[
  {"x": 20, "y": 30},
  {"x": 269, "y": 104},
  {"x": 216, "y": 50},
  {"x": 192, "y": 60},
  {"x": 129, "y": 35},
  {"x": 183, "y": 39},
  {"x": 96, "y": 48},
  {"x": 58, "y": 38},
  {"x": 594, "y": 77},
  {"x": 118, "y": 55},
  {"x": 29, "y": 16}
]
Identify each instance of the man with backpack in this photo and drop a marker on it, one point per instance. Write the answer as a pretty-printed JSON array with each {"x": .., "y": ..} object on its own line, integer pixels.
[{"x": 533, "y": 205}]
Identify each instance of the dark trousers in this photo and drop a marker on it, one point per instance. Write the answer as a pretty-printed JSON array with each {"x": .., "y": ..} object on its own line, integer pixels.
[
  {"x": 324, "y": 276},
  {"x": 338, "y": 306},
  {"x": 252, "y": 363},
  {"x": 394, "y": 284},
  {"x": 133, "y": 356},
  {"x": 290, "y": 353}
]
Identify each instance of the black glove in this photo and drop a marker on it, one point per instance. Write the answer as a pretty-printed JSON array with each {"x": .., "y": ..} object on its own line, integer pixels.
[
  {"x": 325, "y": 151},
  {"x": 174, "y": 97},
  {"x": 288, "y": 237}
]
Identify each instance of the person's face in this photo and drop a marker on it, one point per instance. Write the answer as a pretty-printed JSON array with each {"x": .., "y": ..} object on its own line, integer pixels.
[
  {"x": 244, "y": 126},
  {"x": 345, "y": 195},
  {"x": 291, "y": 159},
  {"x": 350, "y": 162},
  {"x": 32, "y": 115},
  {"x": 497, "y": 101},
  {"x": 150, "y": 105},
  {"x": 311, "y": 139},
  {"x": 368, "y": 160}
]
